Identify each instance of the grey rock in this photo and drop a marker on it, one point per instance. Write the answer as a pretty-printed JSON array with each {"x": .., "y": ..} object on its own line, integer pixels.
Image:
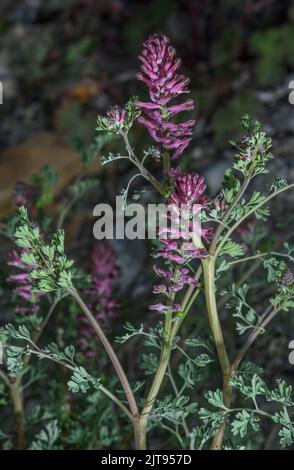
[{"x": 130, "y": 256}]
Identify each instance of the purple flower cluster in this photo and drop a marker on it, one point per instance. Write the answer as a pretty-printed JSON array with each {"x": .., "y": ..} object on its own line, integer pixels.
[
  {"x": 24, "y": 287},
  {"x": 189, "y": 189},
  {"x": 187, "y": 199},
  {"x": 176, "y": 281},
  {"x": 159, "y": 73},
  {"x": 116, "y": 116},
  {"x": 185, "y": 204},
  {"x": 101, "y": 301}
]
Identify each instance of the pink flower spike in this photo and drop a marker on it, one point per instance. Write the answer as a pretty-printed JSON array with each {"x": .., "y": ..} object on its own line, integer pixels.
[{"x": 159, "y": 73}]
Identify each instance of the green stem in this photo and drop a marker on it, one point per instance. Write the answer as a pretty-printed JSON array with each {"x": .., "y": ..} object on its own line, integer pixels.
[
  {"x": 264, "y": 321},
  {"x": 140, "y": 429},
  {"x": 46, "y": 320},
  {"x": 144, "y": 172},
  {"x": 15, "y": 388},
  {"x": 209, "y": 284},
  {"x": 17, "y": 400},
  {"x": 117, "y": 402},
  {"x": 155, "y": 387},
  {"x": 166, "y": 168},
  {"x": 189, "y": 297},
  {"x": 166, "y": 162},
  {"x": 161, "y": 370},
  {"x": 159, "y": 376}
]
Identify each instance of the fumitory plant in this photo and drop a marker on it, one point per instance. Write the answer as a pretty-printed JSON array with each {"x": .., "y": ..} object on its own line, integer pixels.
[{"x": 201, "y": 264}]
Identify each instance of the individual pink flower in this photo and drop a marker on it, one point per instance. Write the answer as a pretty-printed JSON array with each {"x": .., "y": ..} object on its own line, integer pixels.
[
  {"x": 159, "y": 73},
  {"x": 163, "y": 308}
]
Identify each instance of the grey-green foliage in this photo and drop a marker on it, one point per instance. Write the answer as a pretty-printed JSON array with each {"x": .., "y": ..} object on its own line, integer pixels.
[
  {"x": 6, "y": 442},
  {"x": 52, "y": 268},
  {"x": 284, "y": 295},
  {"x": 95, "y": 425},
  {"x": 15, "y": 354},
  {"x": 171, "y": 412},
  {"x": 253, "y": 150},
  {"x": 244, "y": 207},
  {"x": 200, "y": 435},
  {"x": 53, "y": 351},
  {"x": 277, "y": 184},
  {"x": 173, "y": 409},
  {"x": 47, "y": 437},
  {"x": 152, "y": 339},
  {"x": 149, "y": 363},
  {"x": 131, "y": 331},
  {"x": 242, "y": 420},
  {"x": 3, "y": 394},
  {"x": 45, "y": 181},
  {"x": 232, "y": 249},
  {"x": 255, "y": 394},
  {"x": 131, "y": 112},
  {"x": 80, "y": 380},
  {"x": 194, "y": 366},
  {"x": 231, "y": 186},
  {"x": 245, "y": 314},
  {"x": 20, "y": 332},
  {"x": 39, "y": 413},
  {"x": 251, "y": 159}
]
